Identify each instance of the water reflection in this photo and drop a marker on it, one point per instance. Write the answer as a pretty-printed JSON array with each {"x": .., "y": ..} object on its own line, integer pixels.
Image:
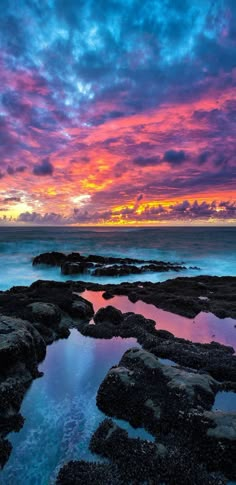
[
  {"x": 60, "y": 409},
  {"x": 225, "y": 401},
  {"x": 204, "y": 328}
]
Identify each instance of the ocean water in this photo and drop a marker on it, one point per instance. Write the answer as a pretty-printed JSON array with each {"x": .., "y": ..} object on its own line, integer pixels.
[
  {"x": 60, "y": 408},
  {"x": 204, "y": 328},
  {"x": 212, "y": 249}
]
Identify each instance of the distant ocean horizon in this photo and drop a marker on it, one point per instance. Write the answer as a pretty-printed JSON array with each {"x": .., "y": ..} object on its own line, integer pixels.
[{"x": 212, "y": 249}]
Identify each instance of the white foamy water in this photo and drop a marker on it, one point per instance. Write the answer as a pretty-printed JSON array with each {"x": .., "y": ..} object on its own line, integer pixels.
[{"x": 212, "y": 249}]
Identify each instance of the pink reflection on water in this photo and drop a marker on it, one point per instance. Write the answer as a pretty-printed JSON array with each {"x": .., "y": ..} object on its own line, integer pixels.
[{"x": 204, "y": 328}]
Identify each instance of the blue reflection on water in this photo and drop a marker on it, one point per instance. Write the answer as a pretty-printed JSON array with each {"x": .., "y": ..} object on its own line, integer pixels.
[
  {"x": 225, "y": 401},
  {"x": 60, "y": 409}
]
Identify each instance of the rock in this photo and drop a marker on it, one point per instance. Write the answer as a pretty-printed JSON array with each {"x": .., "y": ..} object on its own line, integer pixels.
[
  {"x": 145, "y": 391},
  {"x": 45, "y": 313},
  {"x": 136, "y": 461},
  {"x": 218, "y": 447},
  {"x": 82, "y": 472},
  {"x": 20, "y": 341},
  {"x": 69, "y": 268},
  {"x": 21, "y": 348},
  {"x": 75, "y": 263},
  {"x": 81, "y": 308},
  {"x": 5, "y": 451},
  {"x": 116, "y": 270},
  {"x": 180, "y": 295},
  {"x": 108, "y": 314},
  {"x": 223, "y": 426},
  {"x": 53, "y": 259},
  {"x": 30, "y": 318},
  {"x": 218, "y": 360}
]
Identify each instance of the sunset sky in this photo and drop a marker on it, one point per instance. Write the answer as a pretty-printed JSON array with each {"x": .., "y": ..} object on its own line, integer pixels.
[{"x": 117, "y": 112}]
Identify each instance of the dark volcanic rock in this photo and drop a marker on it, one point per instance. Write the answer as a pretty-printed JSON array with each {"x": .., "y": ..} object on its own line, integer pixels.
[
  {"x": 219, "y": 443},
  {"x": 136, "y": 461},
  {"x": 216, "y": 359},
  {"x": 5, "y": 451},
  {"x": 184, "y": 296},
  {"x": 75, "y": 263},
  {"x": 30, "y": 319},
  {"x": 117, "y": 270},
  {"x": 69, "y": 268},
  {"x": 82, "y": 472},
  {"x": 174, "y": 404},
  {"x": 108, "y": 314},
  {"x": 151, "y": 394},
  {"x": 21, "y": 348},
  {"x": 45, "y": 313},
  {"x": 142, "y": 461},
  {"x": 53, "y": 259}
]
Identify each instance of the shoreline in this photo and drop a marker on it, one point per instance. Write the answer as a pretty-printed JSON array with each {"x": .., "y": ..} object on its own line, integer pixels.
[{"x": 35, "y": 316}]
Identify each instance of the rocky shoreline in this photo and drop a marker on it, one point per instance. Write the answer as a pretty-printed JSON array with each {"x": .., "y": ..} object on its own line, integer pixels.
[
  {"x": 75, "y": 263},
  {"x": 30, "y": 319},
  {"x": 193, "y": 444}
]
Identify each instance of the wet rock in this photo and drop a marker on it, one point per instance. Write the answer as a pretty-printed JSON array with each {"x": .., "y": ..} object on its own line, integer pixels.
[
  {"x": 53, "y": 258},
  {"x": 20, "y": 341},
  {"x": 21, "y": 348},
  {"x": 108, "y": 314},
  {"x": 216, "y": 359},
  {"x": 31, "y": 318},
  {"x": 5, "y": 451},
  {"x": 136, "y": 461},
  {"x": 70, "y": 268},
  {"x": 173, "y": 404},
  {"x": 75, "y": 263},
  {"x": 82, "y": 472},
  {"x": 81, "y": 308},
  {"x": 151, "y": 394},
  {"x": 117, "y": 270},
  {"x": 179, "y": 295},
  {"x": 219, "y": 443},
  {"x": 46, "y": 313}
]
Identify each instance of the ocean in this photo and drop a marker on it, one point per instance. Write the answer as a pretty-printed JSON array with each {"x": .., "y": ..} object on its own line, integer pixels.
[
  {"x": 212, "y": 249},
  {"x": 60, "y": 408}
]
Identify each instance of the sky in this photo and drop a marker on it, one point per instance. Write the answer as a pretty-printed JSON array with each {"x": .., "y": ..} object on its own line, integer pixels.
[{"x": 117, "y": 112}]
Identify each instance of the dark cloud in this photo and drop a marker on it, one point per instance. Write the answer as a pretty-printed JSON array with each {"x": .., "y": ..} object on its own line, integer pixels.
[
  {"x": 43, "y": 168},
  {"x": 174, "y": 157},
  {"x": 13, "y": 170},
  {"x": 203, "y": 157},
  {"x": 184, "y": 211},
  {"x": 146, "y": 161},
  {"x": 11, "y": 199},
  {"x": 83, "y": 81}
]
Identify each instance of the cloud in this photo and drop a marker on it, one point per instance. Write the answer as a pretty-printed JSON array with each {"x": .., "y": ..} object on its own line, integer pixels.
[
  {"x": 116, "y": 99},
  {"x": 174, "y": 157},
  {"x": 14, "y": 170},
  {"x": 43, "y": 168},
  {"x": 184, "y": 211},
  {"x": 146, "y": 161}
]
